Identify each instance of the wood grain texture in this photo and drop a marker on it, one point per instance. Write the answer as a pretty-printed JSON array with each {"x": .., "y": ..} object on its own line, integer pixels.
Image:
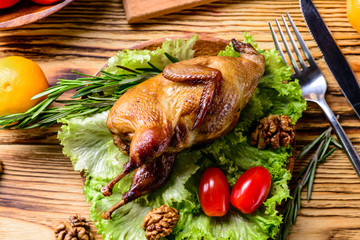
[
  {"x": 26, "y": 12},
  {"x": 38, "y": 187},
  {"x": 138, "y": 11}
]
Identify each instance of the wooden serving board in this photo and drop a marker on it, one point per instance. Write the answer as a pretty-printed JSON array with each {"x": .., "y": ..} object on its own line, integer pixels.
[
  {"x": 39, "y": 187},
  {"x": 25, "y": 12},
  {"x": 139, "y": 10}
]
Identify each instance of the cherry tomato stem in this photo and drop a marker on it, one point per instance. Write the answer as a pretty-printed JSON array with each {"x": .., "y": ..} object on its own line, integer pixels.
[
  {"x": 214, "y": 192},
  {"x": 251, "y": 189}
]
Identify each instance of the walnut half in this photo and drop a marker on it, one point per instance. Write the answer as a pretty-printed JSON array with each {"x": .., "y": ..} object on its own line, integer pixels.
[
  {"x": 159, "y": 222},
  {"x": 274, "y": 131},
  {"x": 75, "y": 228}
]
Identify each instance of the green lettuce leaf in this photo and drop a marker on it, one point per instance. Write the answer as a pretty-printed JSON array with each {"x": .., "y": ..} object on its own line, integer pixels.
[
  {"x": 127, "y": 220},
  {"x": 130, "y": 58},
  {"x": 89, "y": 145},
  {"x": 80, "y": 138},
  {"x": 229, "y": 51}
]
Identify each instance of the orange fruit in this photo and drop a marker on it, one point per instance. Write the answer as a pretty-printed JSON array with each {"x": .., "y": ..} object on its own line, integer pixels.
[
  {"x": 20, "y": 80},
  {"x": 353, "y": 13}
]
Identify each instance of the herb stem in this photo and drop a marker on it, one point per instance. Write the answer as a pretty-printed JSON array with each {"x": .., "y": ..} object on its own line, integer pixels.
[
  {"x": 93, "y": 94},
  {"x": 306, "y": 177}
]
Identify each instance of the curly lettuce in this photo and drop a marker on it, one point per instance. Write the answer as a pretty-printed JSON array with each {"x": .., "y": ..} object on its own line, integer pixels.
[
  {"x": 131, "y": 58},
  {"x": 89, "y": 145}
]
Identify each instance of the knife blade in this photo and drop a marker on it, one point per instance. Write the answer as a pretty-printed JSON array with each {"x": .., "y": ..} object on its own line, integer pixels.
[{"x": 332, "y": 54}]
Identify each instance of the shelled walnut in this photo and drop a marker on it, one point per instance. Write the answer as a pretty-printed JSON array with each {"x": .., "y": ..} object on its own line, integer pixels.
[
  {"x": 75, "y": 228},
  {"x": 274, "y": 131},
  {"x": 159, "y": 222}
]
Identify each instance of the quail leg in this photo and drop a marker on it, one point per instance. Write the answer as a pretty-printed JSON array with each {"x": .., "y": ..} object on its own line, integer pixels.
[
  {"x": 146, "y": 179},
  {"x": 147, "y": 144}
]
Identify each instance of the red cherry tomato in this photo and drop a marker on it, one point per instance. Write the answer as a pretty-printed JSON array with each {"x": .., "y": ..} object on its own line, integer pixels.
[
  {"x": 45, "y": 2},
  {"x": 251, "y": 189},
  {"x": 7, "y": 3},
  {"x": 214, "y": 192}
]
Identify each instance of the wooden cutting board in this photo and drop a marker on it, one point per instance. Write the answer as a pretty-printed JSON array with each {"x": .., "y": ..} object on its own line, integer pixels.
[{"x": 139, "y": 10}]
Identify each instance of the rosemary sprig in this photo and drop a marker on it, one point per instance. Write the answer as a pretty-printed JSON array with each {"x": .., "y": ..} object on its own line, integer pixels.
[
  {"x": 306, "y": 177},
  {"x": 93, "y": 94}
]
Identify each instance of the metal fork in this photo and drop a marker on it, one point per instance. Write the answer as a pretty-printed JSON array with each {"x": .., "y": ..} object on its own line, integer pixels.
[{"x": 313, "y": 83}]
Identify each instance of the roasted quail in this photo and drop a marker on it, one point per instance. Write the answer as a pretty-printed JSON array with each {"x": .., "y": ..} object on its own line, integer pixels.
[{"x": 191, "y": 102}]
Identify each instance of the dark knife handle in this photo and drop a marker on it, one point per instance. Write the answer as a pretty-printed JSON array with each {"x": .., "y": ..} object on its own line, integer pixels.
[{"x": 343, "y": 138}]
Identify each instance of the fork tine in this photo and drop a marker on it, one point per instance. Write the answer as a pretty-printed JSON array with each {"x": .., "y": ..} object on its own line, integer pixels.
[
  {"x": 297, "y": 52},
  {"x": 276, "y": 42},
  {"x": 288, "y": 50},
  {"x": 301, "y": 41}
]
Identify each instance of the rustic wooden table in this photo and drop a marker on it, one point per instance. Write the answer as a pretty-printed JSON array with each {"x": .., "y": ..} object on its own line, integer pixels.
[{"x": 39, "y": 187}]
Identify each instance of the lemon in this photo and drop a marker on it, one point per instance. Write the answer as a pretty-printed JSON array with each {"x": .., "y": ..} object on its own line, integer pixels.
[
  {"x": 353, "y": 13},
  {"x": 20, "y": 80}
]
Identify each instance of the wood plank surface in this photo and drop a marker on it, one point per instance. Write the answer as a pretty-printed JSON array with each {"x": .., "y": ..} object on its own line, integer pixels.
[{"x": 39, "y": 187}]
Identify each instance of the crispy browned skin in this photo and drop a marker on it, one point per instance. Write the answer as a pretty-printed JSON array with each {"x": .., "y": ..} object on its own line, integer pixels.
[{"x": 191, "y": 102}]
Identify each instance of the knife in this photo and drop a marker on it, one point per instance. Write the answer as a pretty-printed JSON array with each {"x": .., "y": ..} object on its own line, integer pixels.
[{"x": 332, "y": 54}]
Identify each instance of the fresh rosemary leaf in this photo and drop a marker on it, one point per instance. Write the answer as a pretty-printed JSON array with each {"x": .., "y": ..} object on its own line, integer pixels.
[
  {"x": 68, "y": 81},
  {"x": 84, "y": 91},
  {"x": 114, "y": 98},
  {"x": 133, "y": 81},
  {"x": 117, "y": 77},
  {"x": 311, "y": 180},
  {"x": 298, "y": 192},
  {"x": 98, "y": 104},
  {"x": 62, "y": 90},
  {"x": 326, "y": 155},
  {"x": 336, "y": 143},
  {"x": 171, "y": 58},
  {"x": 145, "y": 69},
  {"x": 325, "y": 147},
  {"x": 56, "y": 116},
  {"x": 83, "y": 74},
  {"x": 308, "y": 171},
  {"x": 68, "y": 102},
  {"x": 127, "y": 69},
  {"x": 154, "y": 68},
  {"x": 48, "y": 91},
  {"x": 44, "y": 125},
  {"x": 90, "y": 111},
  {"x": 289, "y": 216},
  {"x": 23, "y": 123},
  {"x": 45, "y": 104},
  {"x": 308, "y": 147},
  {"x": 294, "y": 213},
  {"x": 14, "y": 116},
  {"x": 121, "y": 92}
]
